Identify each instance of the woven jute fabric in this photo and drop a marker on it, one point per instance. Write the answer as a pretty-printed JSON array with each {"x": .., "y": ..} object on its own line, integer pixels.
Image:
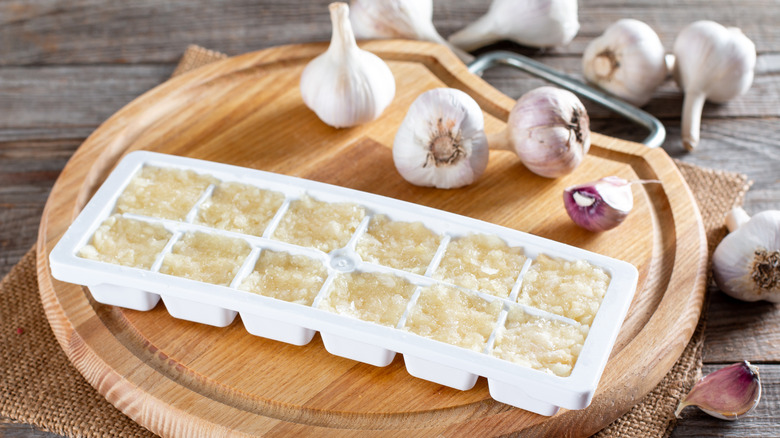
[{"x": 40, "y": 386}]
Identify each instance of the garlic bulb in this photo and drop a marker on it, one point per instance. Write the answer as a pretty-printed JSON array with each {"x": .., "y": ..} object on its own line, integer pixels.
[
  {"x": 534, "y": 23},
  {"x": 712, "y": 63},
  {"x": 627, "y": 60},
  {"x": 346, "y": 86},
  {"x": 746, "y": 263},
  {"x": 441, "y": 142},
  {"x": 728, "y": 393},
  {"x": 549, "y": 129},
  {"x": 408, "y": 19}
]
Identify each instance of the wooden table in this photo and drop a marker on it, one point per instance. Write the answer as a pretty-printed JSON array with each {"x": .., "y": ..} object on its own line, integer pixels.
[{"x": 66, "y": 66}]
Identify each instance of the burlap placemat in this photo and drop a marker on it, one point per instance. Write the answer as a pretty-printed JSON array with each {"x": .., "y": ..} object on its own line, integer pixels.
[{"x": 40, "y": 386}]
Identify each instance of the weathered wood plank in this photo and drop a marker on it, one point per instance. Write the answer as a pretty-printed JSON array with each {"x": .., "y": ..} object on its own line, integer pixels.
[
  {"x": 65, "y": 96},
  {"x": 761, "y": 422},
  {"x": 740, "y": 330},
  {"x": 147, "y": 31},
  {"x": 15, "y": 430},
  {"x": 27, "y": 172}
]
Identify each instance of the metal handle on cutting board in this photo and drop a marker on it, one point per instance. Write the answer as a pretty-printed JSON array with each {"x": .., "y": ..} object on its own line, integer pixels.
[{"x": 528, "y": 65}]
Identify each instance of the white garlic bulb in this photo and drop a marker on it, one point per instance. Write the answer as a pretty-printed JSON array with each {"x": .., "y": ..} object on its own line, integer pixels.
[
  {"x": 746, "y": 263},
  {"x": 534, "y": 23},
  {"x": 548, "y": 129},
  {"x": 441, "y": 142},
  {"x": 627, "y": 60},
  {"x": 346, "y": 86},
  {"x": 407, "y": 19},
  {"x": 712, "y": 63}
]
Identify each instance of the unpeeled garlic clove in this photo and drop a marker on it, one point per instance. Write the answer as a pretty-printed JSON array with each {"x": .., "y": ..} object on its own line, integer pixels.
[
  {"x": 728, "y": 393},
  {"x": 599, "y": 205},
  {"x": 407, "y": 19},
  {"x": 346, "y": 86},
  {"x": 627, "y": 60},
  {"x": 712, "y": 63},
  {"x": 533, "y": 23}
]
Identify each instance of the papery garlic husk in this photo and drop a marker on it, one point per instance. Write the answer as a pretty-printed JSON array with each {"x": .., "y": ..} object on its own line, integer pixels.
[
  {"x": 405, "y": 19},
  {"x": 627, "y": 60},
  {"x": 746, "y": 263},
  {"x": 533, "y": 23},
  {"x": 728, "y": 393},
  {"x": 712, "y": 63},
  {"x": 441, "y": 142},
  {"x": 346, "y": 86},
  {"x": 599, "y": 205},
  {"x": 548, "y": 129}
]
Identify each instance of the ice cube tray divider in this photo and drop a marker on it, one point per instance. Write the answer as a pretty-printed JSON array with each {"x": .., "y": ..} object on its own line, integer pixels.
[{"x": 350, "y": 337}]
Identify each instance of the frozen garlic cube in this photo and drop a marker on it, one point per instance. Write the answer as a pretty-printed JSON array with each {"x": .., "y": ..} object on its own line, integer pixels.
[
  {"x": 317, "y": 224},
  {"x": 453, "y": 316},
  {"x": 573, "y": 289},
  {"x": 239, "y": 207},
  {"x": 483, "y": 263},
  {"x": 126, "y": 242},
  {"x": 163, "y": 193},
  {"x": 539, "y": 343},
  {"x": 375, "y": 297},
  {"x": 401, "y": 245},
  {"x": 288, "y": 277},
  {"x": 206, "y": 257}
]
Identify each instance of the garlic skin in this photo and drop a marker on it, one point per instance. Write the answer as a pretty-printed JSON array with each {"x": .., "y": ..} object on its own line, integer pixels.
[
  {"x": 346, "y": 86},
  {"x": 728, "y": 393},
  {"x": 441, "y": 142},
  {"x": 712, "y": 63},
  {"x": 599, "y": 205},
  {"x": 533, "y": 23},
  {"x": 548, "y": 129},
  {"x": 746, "y": 263},
  {"x": 627, "y": 60},
  {"x": 406, "y": 19}
]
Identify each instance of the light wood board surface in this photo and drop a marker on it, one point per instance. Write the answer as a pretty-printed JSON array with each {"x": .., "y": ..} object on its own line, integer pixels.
[{"x": 179, "y": 378}]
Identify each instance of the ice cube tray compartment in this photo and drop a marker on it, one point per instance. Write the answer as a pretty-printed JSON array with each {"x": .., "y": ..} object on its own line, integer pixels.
[{"x": 365, "y": 340}]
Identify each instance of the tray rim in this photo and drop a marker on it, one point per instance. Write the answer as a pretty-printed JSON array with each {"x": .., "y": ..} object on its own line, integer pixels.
[{"x": 440, "y": 62}]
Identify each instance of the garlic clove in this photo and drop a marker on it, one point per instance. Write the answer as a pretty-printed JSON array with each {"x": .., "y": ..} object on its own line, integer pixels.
[
  {"x": 712, "y": 63},
  {"x": 549, "y": 130},
  {"x": 746, "y": 263},
  {"x": 599, "y": 205},
  {"x": 534, "y": 23},
  {"x": 407, "y": 19},
  {"x": 728, "y": 393},
  {"x": 627, "y": 60},
  {"x": 441, "y": 142},
  {"x": 346, "y": 86}
]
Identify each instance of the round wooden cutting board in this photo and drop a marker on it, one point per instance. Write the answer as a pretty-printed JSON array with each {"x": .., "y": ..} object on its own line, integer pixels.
[{"x": 184, "y": 379}]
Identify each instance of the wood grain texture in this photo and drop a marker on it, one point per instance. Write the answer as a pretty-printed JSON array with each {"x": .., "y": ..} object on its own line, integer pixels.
[
  {"x": 145, "y": 362},
  {"x": 77, "y": 43}
]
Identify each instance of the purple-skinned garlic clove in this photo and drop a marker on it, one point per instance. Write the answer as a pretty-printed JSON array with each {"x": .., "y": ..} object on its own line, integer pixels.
[
  {"x": 728, "y": 393},
  {"x": 599, "y": 205}
]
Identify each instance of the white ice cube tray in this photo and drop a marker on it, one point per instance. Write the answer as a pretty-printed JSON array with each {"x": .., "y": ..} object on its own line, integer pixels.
[{"x": 450, "y": 365}]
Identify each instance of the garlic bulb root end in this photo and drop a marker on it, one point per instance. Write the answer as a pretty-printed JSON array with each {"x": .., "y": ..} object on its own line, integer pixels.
[
  {"x": 627, "y": 60},
  {"x": 441, "y": 142}
]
